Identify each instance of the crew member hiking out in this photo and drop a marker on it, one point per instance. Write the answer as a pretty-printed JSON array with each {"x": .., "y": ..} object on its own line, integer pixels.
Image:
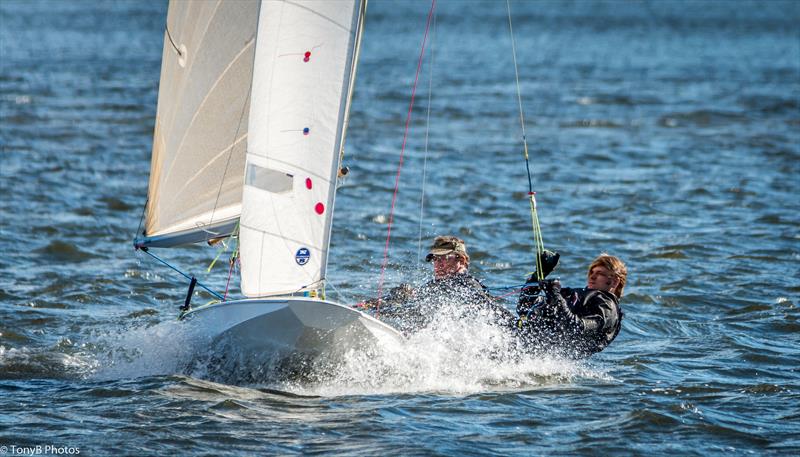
[{"x": 568, "y": 322}]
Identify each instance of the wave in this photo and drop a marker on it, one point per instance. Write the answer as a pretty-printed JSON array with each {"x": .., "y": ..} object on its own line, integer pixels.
[
  {"x": 38, "y": 363},
  {"x": 702, "y": 118},
  {"x": 59, "y": 251},
  {"x": 591, "y": 123}
]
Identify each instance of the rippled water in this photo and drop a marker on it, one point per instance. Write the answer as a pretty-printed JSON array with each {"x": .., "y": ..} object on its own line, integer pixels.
[{"x": 667, "y": 133}]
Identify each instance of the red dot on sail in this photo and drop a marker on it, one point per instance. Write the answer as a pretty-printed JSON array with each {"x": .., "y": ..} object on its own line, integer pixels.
[
  {"x": 320, "y": 208},
  {"x": 307, "y": 56},
  {"x": 308, "y": 183}
]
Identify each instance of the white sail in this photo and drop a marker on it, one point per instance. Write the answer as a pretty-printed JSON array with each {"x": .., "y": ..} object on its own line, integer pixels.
[
  {"x": 200, "y": 135},
  {"x": 305, "y": 62}
]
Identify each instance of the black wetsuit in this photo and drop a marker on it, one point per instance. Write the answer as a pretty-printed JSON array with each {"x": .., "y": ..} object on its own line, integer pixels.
[
  {"x": 461, "y": 296},
  {"x": 570, "y": 322}
]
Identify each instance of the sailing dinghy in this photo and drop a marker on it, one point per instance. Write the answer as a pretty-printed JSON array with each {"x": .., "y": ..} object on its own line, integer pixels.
[{"x": 252, "y": 114}]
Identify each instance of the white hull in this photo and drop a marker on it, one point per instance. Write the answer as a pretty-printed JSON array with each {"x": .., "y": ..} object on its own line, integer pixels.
[{"x": 285, "y": 332}]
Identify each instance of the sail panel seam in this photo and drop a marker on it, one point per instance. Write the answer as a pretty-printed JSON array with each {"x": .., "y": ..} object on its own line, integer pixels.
[{"x": 283, "y": 237}]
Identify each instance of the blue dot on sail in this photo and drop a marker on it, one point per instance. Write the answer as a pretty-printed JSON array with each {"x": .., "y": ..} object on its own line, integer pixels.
[{"x": 302, "y": 256}]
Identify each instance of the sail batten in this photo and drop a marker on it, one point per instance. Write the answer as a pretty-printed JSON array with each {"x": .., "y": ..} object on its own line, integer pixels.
[{"x": 303, "y": 73}]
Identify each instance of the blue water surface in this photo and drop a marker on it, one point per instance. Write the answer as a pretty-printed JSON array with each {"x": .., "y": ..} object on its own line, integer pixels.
[{"x": 664, "y": 132}]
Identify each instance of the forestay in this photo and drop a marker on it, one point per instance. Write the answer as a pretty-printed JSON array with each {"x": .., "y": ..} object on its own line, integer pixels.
[
  {"x": 304, "y": 70},
  {"x": 200, "y": 135}
]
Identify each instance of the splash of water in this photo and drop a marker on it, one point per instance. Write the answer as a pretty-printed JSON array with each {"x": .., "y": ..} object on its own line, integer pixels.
[
  {"x": 451, "y": 356},
  {"x": 162, "y": 349}
]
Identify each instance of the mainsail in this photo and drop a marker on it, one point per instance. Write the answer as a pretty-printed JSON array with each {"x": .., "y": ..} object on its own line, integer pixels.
[
  {"x": 200, "y": 135},
  {"x": 305, "y": 63}
]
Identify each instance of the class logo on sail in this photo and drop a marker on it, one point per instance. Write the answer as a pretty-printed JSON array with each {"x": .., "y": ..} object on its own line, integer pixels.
[{"x": 302, "y": 256}]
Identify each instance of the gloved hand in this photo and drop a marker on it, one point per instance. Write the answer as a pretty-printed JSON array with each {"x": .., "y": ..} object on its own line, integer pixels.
[
  {"x": 552, "y": 288},
  {"x": 549, "y": 261},
  {"x": 396, "y": 296},
  {"x": 369, "y": 304},
  {"x": 401, "y": 293},
  {"x": 527, "y": 298}
]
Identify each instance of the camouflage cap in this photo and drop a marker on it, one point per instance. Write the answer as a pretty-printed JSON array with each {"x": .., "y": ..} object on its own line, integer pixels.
[{"x": 444, "y": 245}]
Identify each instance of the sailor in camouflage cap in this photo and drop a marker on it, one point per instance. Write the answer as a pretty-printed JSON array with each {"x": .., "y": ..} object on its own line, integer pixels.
[
  {"x": 453, "y": 292},
  {"x": 444, "y": 245},
  {"x": 449, "y": 257}
]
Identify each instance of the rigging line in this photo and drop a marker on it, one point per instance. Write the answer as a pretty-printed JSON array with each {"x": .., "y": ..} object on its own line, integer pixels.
[
  {"x": 400, "y": 164},
  {"x": 427, "y": 130},
  {"x": 147, "y": 251},
  {"x": 515, "y": 286},
  {"x": 245, "y": 105},
  {"x": 359, "y": 30},
  {"x": 234, "y": 236},
  {"x": 512, "y": 292},
  {"x": 141, "y": 220},
  {"x": 519, "y": 95},
  {"x": 342, "y": 297},
  {"x": 232, "y": 260},
  {"x": 174, "y": 46},
  {"x": 228, "y": 282},
  {"x": 537, "y": 233}
]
